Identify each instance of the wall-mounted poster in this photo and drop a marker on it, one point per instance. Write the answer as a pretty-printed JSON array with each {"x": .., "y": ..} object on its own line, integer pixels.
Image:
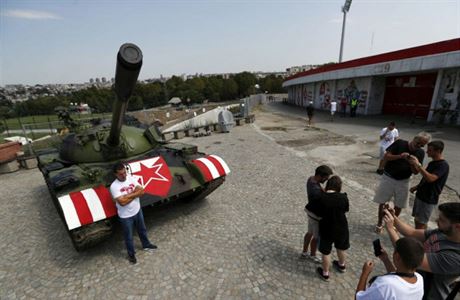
[
  {"x": 324, "y": 95},
  {"x": 450, "y": 79}
]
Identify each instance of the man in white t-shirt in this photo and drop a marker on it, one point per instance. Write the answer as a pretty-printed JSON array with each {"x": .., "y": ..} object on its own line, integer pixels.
[
  {"x": 401, "y": 281},
  {"x": 126, "y": 191},
  {"x": 333, "y": 109},
  {"x": 388, "y": 135}
]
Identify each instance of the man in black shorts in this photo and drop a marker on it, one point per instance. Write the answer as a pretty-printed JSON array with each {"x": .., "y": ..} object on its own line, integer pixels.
[
  {"x": 333, "y": 227},
  {"x": 428, "y": 190}
]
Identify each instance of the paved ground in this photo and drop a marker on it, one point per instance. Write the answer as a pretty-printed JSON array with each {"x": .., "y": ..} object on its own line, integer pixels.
[
  {"x": 367, "y": 128},
  {"x": 242, "y": 242}
]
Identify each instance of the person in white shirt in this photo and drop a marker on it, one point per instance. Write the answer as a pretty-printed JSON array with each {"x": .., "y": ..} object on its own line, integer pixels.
[
  {"x": 388, "y": 135},
  {"x": 401, "y": 281},
  {"x": 125, "y": 192},
  {"x": 333, "y": 109}
]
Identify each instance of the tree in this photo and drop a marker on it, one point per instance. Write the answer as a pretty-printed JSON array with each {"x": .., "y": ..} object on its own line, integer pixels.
[
  {"x": 135, "y": 103},
  {"x": 246, "y": 82},
  {"x": 272, "y": 84},
  {"x": 151, "y": 94},
  {"x": 213, "y": 88},
  {"x": 229, "y": 89},
  {"x": 6, "y": 108}
]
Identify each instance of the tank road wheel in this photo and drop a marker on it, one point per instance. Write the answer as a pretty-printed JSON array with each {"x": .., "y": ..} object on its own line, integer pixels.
[
  {"x": 90, "y": 235},
  {"x": 208, "y": 189}
]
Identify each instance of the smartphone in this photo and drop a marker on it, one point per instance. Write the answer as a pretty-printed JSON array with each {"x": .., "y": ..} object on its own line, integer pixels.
[{"x": 377, "y": 247}]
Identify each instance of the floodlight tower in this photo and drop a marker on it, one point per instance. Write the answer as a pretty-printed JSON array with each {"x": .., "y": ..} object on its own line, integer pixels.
[{"x": 345, "y": 9}]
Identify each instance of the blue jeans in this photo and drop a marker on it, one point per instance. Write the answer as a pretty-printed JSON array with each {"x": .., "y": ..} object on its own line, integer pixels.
[{"x": 127, "y": 224}]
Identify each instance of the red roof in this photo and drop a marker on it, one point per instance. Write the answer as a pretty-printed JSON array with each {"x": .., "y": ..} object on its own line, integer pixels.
[{"x": 429, "y": 49}]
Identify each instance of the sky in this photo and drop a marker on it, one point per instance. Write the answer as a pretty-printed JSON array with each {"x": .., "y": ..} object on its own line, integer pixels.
[{"x": 71, "y": 41}]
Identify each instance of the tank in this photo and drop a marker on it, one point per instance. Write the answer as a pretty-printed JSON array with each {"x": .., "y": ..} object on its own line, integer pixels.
[{"x": 78, "y": 169}]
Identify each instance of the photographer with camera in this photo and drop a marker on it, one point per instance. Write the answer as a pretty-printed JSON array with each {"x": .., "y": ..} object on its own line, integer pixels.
[
  {"x": 440, "y": 266},
  {"x": 394, "y": 182},
  {"x": 434, "y": 177},
  {"x": 401, "y": 281}
]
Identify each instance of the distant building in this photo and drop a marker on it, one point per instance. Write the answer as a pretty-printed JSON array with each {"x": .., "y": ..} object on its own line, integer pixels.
[
  {"x": 175, "y": 101},
  {"x": 81, "y": 108},
  {"x": 297, "y": 69}
]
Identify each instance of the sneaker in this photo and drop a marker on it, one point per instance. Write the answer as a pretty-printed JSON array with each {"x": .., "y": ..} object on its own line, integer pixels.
[
  {"x": 319, "y": 271},
  {"x": 150, "y": 247},
  {"x": 338, "y": 267},
  {"x": 304, "y": 255},
  {"x": 132, "y": 259},
  {"x": 379, "y": 171},
  {"x": 316, "y": 259}
]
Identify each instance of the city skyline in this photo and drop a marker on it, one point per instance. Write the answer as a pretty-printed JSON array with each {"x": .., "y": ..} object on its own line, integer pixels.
[{"x": 46, "y": 42}]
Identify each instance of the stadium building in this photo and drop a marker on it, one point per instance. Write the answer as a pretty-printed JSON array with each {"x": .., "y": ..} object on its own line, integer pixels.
[{"x": 419, "y": 82}]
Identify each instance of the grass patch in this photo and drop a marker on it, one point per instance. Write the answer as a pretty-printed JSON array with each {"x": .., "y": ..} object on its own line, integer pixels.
[{"x": 43, "y": 121}]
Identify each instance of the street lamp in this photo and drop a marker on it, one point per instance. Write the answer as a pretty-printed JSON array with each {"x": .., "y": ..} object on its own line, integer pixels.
[{"x": 345, "y": 9}]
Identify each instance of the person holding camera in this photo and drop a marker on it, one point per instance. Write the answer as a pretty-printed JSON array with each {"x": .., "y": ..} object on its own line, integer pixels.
[
  {"x": 440, "y": 266},
  {"x": 401, "y": 281},
  {"x": 394, "y": 182},
  {"x": 434, "y": 177}
]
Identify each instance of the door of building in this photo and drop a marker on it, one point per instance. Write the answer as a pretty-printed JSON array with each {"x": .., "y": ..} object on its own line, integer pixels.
[{"x": 409, "y": 95}]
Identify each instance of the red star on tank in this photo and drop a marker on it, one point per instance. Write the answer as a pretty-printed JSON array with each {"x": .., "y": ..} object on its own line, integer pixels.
[{"x": 153, "y": 174}]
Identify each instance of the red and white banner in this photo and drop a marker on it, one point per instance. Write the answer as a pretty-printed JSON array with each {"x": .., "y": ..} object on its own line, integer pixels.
[
  {"x": 212, "y": 167},
  {"x": 153, "y": 174},
  {"x": 87, "y": 206}
]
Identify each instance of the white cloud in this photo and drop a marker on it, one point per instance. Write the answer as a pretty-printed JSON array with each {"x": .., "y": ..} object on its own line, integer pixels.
[{"x": 31, "y": 14}]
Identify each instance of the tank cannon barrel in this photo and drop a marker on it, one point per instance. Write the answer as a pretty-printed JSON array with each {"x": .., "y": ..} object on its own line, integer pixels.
[{"x": 129, "y": 63}]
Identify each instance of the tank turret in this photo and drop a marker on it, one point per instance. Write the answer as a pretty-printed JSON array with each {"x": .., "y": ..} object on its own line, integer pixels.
[
  {"x": 104, "y": 142},
  {"x": 78, "y": 171}
]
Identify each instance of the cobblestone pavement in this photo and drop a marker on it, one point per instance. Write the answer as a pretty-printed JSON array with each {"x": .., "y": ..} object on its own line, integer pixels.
[{"x": 242, "y": 242}]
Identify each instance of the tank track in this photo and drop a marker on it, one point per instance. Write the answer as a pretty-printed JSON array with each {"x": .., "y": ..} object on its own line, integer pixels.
[
  {"x": 87, "y": 236},
  {"x": 208, "y": 189},
  {"x": 90, "y": 235}
]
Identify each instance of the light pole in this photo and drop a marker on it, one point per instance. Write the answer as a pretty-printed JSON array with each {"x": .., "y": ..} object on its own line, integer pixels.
[{"x": 345, "y": 9}]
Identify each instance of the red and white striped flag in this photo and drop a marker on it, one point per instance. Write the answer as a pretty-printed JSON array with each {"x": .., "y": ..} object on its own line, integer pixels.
[
  {"x": 87, "y": 206},
  {"x": 211, "y": 166}
]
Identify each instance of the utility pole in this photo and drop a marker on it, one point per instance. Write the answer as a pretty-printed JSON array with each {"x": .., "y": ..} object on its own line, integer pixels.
[{"x": 345, "y": 9}]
